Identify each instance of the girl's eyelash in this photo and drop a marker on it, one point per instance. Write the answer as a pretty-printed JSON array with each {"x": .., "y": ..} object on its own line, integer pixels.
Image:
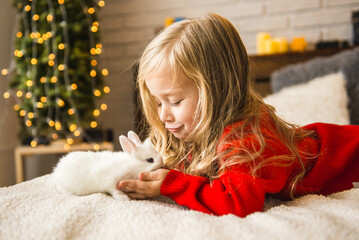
[
  {"x": 171, "y": 103},
  {"x": 175, "y": 103}
]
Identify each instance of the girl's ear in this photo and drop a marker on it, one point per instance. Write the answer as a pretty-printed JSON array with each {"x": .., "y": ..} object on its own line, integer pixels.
[
  {"x": 127, "y": 145},
  {"x": 133, "y": 136}
]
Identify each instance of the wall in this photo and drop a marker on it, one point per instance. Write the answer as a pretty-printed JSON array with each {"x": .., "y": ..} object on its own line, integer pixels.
[
  {"x": 128, "y": 25},
  {"x": 8, "y": 121}
]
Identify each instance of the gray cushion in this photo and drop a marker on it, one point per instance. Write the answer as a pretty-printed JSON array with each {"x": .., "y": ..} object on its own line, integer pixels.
[{"x": 346, "y": 61}]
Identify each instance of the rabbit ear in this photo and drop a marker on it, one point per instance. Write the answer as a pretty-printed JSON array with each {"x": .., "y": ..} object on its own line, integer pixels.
[
  {"x": 127, "y": 145},
  {"x": 133, "y": 136}
]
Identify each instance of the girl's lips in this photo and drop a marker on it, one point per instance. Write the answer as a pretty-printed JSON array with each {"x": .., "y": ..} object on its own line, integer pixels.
[{"x": 173, "y": 129}]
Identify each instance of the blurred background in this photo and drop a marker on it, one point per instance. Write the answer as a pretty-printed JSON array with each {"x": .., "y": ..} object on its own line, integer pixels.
[{"x": 126, "y": 26}]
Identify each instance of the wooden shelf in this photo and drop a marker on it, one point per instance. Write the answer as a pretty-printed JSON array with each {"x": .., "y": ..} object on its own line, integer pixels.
[{"x": 262, "y": 66}]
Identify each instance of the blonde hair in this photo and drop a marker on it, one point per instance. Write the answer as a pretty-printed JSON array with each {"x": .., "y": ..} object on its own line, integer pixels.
[{"x": 210, "y": 52}]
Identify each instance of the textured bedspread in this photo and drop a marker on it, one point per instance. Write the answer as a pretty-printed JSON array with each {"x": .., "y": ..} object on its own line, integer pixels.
[{"x": 35, "y": 210}]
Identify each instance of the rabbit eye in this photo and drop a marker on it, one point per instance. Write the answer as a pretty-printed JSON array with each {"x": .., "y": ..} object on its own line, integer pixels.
[{"x": 149, "y": 160}]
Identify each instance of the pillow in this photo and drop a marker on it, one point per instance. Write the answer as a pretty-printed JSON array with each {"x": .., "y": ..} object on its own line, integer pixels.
[
  {"x": 346, "y": 61},
  {"x": 323, "y": 99}
]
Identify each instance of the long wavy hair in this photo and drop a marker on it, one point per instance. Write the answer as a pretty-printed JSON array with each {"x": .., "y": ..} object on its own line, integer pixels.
[{"x": 209, "y": 51}]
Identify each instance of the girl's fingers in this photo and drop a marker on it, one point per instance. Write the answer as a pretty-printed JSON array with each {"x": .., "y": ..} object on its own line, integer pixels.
[
  {"x": 145, "y": 176},
  {"x": 132, "y": 186}
]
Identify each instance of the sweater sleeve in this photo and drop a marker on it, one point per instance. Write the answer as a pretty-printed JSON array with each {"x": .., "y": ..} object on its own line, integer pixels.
[{"x": 234, "y": 192}]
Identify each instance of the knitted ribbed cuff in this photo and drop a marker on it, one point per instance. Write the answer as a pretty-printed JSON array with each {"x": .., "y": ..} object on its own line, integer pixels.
[{"x": 174, "y": 183}]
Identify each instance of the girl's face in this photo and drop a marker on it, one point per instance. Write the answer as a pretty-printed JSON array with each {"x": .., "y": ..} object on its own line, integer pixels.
[{"x": 177, "y": 102}]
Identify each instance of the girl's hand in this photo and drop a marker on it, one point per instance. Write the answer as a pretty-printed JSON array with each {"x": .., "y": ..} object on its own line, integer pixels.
[{"x": 148, "y": 185}]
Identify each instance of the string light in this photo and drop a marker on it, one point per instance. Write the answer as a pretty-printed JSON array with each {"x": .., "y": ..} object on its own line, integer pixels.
[
  {"x": 58, "y": 126},
  {"x": 6, "y": 95},
  {"x": 35, "y": 17},
  {"x": 61, "y": 67},
  {"x": 60, "y": 102},
  {"x": 104, "y": 72},
  {"x": 49, "y": 18},
  {"x": 40, "y": 105},
  {"x": 71, "y": 111},
  {"x": 57, "y": 75},
  {"x": 70, "y": 141},
  {"x": 53, "y": 79},
  {"x": 106, "y": 89},
  {"x": 61, "y": 46},
  {"x": 19, "y": 93},
  {"x": 51, "y": 123},
  {"x": 103, "y": 107},
  {"x": 94, "y": 29},
  {"x": 91, "y": 10},
  {"x": 97, "y": 93},
  {"x": 93, "y": 73},
  {"x": 96, "y": 147},
  {"x": 93, "y": 124},
  {"x": 28, "y": 123},
  {"x": 73, "y": 127},
  {"x": 51, "y": 63},
  {"x": 33, "y": 143},
  {"x": 96, "y": 112},
  {"x": 29, "y": 83},
  {"x": 101, "y": 3},
  {"x": 16, "y": 107},
  {"x": 33, "y": 61},
  {"x": 18, "y": 53},
  {"x": 27, "y": 8}
]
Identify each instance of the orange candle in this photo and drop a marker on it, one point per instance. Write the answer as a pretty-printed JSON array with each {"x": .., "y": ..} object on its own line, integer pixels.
[{"x": 261, "y": 39}]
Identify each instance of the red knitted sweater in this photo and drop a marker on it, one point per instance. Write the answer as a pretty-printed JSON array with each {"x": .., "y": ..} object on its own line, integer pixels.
[{"x": 238, "y": 192}]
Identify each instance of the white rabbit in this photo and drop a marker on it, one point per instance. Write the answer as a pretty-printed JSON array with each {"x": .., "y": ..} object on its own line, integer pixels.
[{"x": 83, "y": 173}]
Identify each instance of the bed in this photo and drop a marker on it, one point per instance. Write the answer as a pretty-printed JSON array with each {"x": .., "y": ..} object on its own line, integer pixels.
[{"x": 35, "y": 210}]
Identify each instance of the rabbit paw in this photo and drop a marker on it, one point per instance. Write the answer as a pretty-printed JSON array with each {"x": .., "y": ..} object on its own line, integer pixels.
[{"x": 118, "y": 195}]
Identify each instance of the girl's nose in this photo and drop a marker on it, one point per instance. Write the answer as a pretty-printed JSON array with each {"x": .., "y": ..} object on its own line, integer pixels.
[{"x": 166, "y": 114}]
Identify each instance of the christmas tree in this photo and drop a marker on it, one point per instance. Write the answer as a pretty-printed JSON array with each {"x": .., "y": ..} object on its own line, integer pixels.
[{"x": 56, "y": 79}]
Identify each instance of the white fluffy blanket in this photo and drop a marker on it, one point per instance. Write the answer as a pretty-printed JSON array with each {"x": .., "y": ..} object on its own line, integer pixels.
[{"x": 35, "y": 210}]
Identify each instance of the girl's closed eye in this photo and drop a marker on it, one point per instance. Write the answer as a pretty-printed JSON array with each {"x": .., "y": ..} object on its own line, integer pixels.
[{"x": 175, "y": 103}]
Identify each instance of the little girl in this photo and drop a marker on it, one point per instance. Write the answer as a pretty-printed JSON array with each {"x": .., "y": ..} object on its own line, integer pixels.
[{"x": 225, "y": 150}]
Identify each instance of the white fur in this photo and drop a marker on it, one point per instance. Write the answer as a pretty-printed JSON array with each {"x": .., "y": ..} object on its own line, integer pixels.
[{"x": 83, "y": 173}]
